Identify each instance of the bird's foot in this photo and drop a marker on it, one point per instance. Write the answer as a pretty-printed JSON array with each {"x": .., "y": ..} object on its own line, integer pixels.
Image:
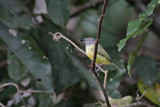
[
  {"x": 96, "y": 69},
  {"x": 101, "y": 65}
]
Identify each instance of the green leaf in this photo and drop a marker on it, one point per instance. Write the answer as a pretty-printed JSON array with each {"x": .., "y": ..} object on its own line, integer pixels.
[
  {"x": 14, "y": 6},
  {"x": 114, "y": 77},
  {"x": 150, "y": 94},
  {"x": 140, "y": 25},
  {"x": 45, "y": 101},
  {"x": 146, "y": 69},
  {"x": 57, "y": 59},
  {"x": 16, "y": 69},
  {"x": 133, "y": 26},
  {"x": 7, "y": 92},
  {"x": 134, "y": 53},
  {"x": 86, "y": 74},
  {"x": 151, "y": 7},
  {"x": 113, "y": 81},
  {"x": 65, "y": 73},
  {"x": 14, "y": 14},
  {"x": 58, "y": 10},
  {"x": 29, "y": 54},
  {"x": 68, "y": 74},
  {"x": 122, "y": 101},
  {"x": 133, "y": 30},
  {"x": 157, "y": 88}
]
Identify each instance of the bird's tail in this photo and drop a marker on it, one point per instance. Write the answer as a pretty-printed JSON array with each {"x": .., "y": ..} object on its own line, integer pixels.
[{"x": 116, "y": 66}]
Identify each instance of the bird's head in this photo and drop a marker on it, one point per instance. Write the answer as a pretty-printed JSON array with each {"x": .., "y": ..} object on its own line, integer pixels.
[{"x": 88, "y": 41}]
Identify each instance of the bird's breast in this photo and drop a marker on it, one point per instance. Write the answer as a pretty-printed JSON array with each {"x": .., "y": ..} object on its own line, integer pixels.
[{"x": 99, "y": 58}]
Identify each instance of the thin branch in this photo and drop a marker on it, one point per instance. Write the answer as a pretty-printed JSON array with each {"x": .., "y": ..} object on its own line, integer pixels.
[
  {"x": 2, "y": 105},
  {"x": 105, "y": 79},
  {"x": 20, "y": 91},
  {"x": 85, "y": 7},
  {"x": 138, "y": 98},
  {"x": 58, "y": 36},
  {"x": 95, "y": 53},
  {"x": 8, "y": 84},
  {"x": 98, "y": 35}
]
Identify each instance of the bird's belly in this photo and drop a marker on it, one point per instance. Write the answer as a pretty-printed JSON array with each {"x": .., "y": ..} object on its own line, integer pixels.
[{"x": 99, "y": 59}]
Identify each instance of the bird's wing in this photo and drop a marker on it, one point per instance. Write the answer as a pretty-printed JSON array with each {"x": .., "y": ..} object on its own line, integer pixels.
[{"x": 102, "y": 52}]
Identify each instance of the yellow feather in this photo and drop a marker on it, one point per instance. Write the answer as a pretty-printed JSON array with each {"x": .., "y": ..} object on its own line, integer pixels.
[{"x": 102, "y": 56}]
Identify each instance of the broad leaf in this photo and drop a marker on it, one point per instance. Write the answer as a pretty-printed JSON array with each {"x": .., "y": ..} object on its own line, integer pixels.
[
  {"x": 27, "y": 52},
  {"x": 134, "y": 53},
  {"x": 134, "y": 28},
  {"x": 45, "y": 100},
  {"x": 68, "y": 74},
  {"x": 86, "y": 74},
  {"x": 113, "y": 81},
  {"x": 151, "y": 7},
  {"x": 58, "y": 10},
  {"x": 16, "y": 70},
  {"x": 146, "y": 69},
  {"x": 157, "y": 88},
  {"x": 65, "y": 73},
  {"x": 14, "y": 14},
  {"x": 14, "y": 6},
  {"x": 114, "y": 76}
]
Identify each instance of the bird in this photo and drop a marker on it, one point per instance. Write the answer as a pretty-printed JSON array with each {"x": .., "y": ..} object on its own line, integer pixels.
[{"x": 102, "y": 57}]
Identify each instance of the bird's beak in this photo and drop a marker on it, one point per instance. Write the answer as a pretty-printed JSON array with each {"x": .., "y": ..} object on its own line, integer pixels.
[{"x": 82, "y": 40}]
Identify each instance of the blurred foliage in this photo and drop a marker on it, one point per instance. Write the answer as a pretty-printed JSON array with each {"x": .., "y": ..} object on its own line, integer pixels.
[
  {"x": 16, "y": 70},
  {"x": 134, "y": 53},
  {"x": 138, "y": 26},
  {"x": 30, "y": 58},
  {"x": 151, "y": 94},
  {"x": 122, "y": 102},
  {"x": 15, "y": 14},
  {"x": 58, "y": 11},
  {"x": 146, "y": 65}
]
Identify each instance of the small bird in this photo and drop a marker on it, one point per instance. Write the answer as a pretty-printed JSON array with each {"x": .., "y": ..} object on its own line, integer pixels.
[{"x": 102, "y": 56}]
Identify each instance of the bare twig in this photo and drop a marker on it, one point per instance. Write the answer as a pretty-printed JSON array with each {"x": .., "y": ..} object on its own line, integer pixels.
[
  {"x": 105, "y": 79},
  {"x": 8, "y": 84},
  {"x": 95, "y": 53},
  {"x": 138, "y": 98},
  {"x": 98, "y": 35},
  {"x": 2, "y": 105},
  {"x": 20, "y": 91},
  {"x": 85, "y": 7}
]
